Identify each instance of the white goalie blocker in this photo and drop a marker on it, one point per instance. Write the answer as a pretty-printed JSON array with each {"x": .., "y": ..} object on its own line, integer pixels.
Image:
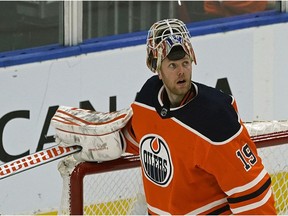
[{"x": 97, "y": 133}]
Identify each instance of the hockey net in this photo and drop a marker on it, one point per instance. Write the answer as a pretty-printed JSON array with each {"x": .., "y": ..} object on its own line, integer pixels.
[{"x": 115, "y": 188}]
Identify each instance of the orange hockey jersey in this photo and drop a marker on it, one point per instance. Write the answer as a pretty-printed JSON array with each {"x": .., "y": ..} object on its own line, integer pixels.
[{"x": 197, "y": 158}]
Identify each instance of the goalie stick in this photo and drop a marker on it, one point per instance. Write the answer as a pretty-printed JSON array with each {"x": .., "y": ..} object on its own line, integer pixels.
[
  {"x": 63, "y": 115},
  {"x": 36, "y": 159}
]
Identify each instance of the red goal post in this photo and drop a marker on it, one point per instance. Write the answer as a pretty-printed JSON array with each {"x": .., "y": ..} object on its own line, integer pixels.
[{"x": 115, "y": 187}]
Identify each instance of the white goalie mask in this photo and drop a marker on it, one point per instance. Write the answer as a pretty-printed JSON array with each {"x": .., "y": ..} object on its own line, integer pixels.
[{"x": 162, "y": 37}]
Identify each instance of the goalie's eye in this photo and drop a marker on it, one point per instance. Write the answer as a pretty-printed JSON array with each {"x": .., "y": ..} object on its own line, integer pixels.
[
  {"x": 172, "y": 66},
  {"x": 186, "y": 63}
]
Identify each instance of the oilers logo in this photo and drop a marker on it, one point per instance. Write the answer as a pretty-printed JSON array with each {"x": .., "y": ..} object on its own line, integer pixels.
[{"x": 156, "y": 160}]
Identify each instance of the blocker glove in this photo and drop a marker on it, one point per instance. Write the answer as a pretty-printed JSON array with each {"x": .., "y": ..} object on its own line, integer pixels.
[{"x": 97, "y": 133}]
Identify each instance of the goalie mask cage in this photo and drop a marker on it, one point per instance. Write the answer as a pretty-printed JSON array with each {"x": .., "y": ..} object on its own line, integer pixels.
[{"x": 115, "y": 187}]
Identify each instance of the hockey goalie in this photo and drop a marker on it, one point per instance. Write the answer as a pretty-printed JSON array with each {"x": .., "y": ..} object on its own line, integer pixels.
[{"x": 197, "y": 157}]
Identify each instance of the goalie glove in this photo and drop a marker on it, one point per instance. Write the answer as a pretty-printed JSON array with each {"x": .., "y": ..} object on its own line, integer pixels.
[{"x": 97, "y": 133}]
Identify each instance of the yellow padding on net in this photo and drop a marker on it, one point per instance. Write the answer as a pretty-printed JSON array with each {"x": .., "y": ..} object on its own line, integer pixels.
[
  {"x": 123, "y": 206},
  {"x": 280, "y": 189},
  {"x": 118, "y": 207}
]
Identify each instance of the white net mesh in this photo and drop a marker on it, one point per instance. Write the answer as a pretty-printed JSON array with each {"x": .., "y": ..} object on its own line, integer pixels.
[
  {"x": 278, "y": 171},
  {"x": 274, "y": 159},
  {"x": 115, "y": 193}
]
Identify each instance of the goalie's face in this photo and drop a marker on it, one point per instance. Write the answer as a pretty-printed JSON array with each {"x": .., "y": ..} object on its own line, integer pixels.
[{"x": 176, "y": 76}]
